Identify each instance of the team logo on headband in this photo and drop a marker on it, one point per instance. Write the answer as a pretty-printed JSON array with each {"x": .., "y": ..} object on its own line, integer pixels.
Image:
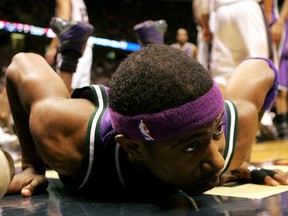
[{"x": 145, "y": 132}]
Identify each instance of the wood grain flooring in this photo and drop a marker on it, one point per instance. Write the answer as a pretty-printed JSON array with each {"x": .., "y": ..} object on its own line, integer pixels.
[{"x": 275, "y": 151}]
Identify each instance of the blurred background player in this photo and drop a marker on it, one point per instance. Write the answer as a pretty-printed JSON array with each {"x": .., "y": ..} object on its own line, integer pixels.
[
  {"x": 72, "y": 10},
  {"x": 183, "y": 43},
  {"x": 203, "y": 46},
  {"x": 237, "y": 30},
  {"x": 278, "y": 26}
]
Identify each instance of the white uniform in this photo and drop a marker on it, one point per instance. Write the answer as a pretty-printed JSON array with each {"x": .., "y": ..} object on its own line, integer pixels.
[
  {"x": 82, "y": 76},
  {"x": 203, "y": 50},
  {"x": 239, "y": 32}
]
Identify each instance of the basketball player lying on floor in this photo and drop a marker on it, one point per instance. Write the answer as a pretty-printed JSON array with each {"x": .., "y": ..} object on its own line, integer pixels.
[{"x": 166, "y": 127}]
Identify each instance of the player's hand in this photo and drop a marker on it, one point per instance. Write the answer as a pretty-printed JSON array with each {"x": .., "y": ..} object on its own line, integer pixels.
[
  {"x": 269, "y": 177},
  {"x": 276, "y": 31},
  {"x": 247, "y": 172},
  {"x": 28, "y": 182},
  {"x": 207, "y": 35}
]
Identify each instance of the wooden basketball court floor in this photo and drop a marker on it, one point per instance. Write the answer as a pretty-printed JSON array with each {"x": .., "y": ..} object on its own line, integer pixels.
[{"x": 231, "y": 199}]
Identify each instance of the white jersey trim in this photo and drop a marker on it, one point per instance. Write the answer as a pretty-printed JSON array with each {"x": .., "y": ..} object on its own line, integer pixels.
[
  {"x": 117, "y": 162},
  {"x": 231, "y": 139},
  {"x": 92, "y": 133}
]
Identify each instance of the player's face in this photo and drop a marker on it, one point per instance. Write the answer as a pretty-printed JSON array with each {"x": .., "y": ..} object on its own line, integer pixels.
[
  {"x": 182, "y": 36},
  {"x": 192, "y": 162}
]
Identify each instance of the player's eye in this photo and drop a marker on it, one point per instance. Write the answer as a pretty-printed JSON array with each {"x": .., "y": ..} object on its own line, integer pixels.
[
  {"x": 218, "y": 132},
  {"x": 191, "y": 147}
]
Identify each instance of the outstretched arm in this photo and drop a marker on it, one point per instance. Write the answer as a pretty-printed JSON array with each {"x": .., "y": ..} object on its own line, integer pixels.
[
  {"x": 50, "y": 125},
  {"x": 26, "y": 78}
]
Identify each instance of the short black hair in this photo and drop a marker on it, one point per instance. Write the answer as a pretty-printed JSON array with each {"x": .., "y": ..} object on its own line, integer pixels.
[{"x": 155, "y": 78}]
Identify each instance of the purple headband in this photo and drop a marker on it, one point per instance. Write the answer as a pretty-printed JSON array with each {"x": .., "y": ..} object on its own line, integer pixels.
[{"x": 172, "y": 122}]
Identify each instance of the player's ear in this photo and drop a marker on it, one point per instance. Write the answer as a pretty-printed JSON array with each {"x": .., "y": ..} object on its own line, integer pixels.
[{"x": 132, "y": 147}]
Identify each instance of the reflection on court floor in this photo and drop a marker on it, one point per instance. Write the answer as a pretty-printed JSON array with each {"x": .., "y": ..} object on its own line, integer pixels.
[{"x": 231, "y": 199}]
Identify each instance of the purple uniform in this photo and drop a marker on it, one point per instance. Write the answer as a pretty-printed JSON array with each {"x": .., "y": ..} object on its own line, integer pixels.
[
  {"x": 283, "y": 64},
  {"x": 187, "y": 48},
  {"x": 282, "y": 49}
]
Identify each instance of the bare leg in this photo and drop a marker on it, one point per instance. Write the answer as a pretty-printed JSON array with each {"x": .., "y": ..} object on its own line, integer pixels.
[
  {"x": 281, "y": 103},
  {"x": 281, "y": 117}
]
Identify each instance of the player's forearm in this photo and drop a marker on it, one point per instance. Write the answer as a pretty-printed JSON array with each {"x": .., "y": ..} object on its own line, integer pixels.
[
  {"x": 54, "y": 43},
  {"x": 204, "y": 6},
  {"x": 21, "y": 65},
  {"x": 204, "y": 11}
]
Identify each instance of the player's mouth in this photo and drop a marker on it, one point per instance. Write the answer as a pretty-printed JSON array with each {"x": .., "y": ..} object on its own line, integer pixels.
[{"x": 208, "y": 183}]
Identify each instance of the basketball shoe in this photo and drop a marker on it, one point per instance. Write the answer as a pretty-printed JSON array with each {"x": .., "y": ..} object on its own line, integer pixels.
[{"x": 73, "y": 35}]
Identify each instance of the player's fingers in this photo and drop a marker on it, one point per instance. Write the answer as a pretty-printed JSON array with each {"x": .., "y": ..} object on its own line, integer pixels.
[
  {"x": 35, "y": 186},
  {"x": 279, "y": 176},
  {"x": 27, "y": 191},
  {"x": 270, "y": 181},
  {"x": 282, "y": 179},
  {"x": 262, "y": 177},
  {"x": 281, "y": 172}
]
